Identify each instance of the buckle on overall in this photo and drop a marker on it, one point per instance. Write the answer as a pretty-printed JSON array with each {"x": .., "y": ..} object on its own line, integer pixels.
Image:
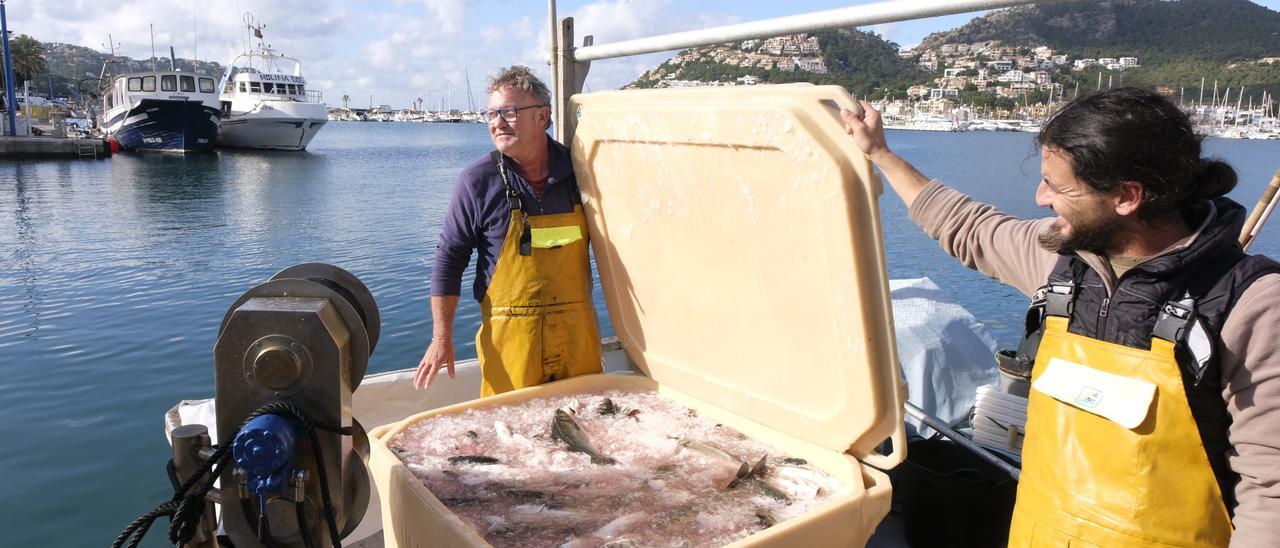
[
  {"x": 1173, "y": 320},
  {"x": 1059, "y": 299}
]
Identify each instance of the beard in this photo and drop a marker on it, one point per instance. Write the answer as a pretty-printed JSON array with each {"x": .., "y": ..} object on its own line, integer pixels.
[{"x": 1094, "y": 235}]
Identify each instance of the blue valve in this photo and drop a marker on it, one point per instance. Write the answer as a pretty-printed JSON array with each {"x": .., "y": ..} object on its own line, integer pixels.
[{"x": 264, "y": 449}]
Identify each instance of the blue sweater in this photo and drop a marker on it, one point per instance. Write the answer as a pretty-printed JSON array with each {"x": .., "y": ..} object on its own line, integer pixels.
[{"x": 478, "y": 217}]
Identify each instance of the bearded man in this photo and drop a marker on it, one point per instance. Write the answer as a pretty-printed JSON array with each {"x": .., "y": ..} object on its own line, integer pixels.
[{"x": 1153, "y": 342}]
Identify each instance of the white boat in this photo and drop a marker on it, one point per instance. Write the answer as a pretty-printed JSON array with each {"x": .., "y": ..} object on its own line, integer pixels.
[
  {"x": 164, "y": 110},
  {"x": 266, "y": 103}
]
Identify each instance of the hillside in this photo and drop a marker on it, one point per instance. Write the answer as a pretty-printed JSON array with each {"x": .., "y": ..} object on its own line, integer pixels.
[
  {"x": 1023, "y": 55},
  {"x": 1157, "y": 30},
  {"x": 76, "y": 68},
  {"x": 1233, "y": 42},
  {"x": 860, "y": 61}
]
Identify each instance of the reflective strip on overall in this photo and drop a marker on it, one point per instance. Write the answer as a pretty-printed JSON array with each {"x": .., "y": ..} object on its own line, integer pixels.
[
  {"x": 538, "y": 323},
  {"x": 1089, "y": 481}
]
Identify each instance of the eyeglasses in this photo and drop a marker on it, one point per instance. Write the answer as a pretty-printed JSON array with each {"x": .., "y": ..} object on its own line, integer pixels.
[{"x": 508, "y": 113}]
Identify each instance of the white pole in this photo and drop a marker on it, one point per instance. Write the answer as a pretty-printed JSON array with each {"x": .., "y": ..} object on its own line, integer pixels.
[
  {"x": 854, "y": 16},
  {"x": 153, "y": 46},
  {"x": 553, "y": 25}
]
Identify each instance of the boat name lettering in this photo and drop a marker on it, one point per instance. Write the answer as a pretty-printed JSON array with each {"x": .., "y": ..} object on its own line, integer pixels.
[{"x": 283, "y": 78}]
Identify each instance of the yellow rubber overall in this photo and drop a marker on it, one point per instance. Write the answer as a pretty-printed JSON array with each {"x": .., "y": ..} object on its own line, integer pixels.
[
  {"x": 538, "y": 323},
  {"x": 1088, "y": 481}
]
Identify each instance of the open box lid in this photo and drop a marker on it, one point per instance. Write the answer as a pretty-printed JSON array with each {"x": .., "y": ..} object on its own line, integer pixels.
[{"x": 738, "y": 238}]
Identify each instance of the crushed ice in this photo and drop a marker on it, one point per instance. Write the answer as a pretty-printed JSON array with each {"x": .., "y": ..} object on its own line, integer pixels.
[{"x": 503, "y": 472}]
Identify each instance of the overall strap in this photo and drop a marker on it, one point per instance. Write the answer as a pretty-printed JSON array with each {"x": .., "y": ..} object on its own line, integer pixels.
[
  {"x": 513, "y": 198},
  {"x": 1060, "y": 296},
  {"x": 1056, "y": 298},
  {"x": 516, "y": 203}
]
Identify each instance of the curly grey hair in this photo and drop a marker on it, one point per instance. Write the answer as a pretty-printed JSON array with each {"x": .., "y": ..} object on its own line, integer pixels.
[{"x": 521, "y": 77}]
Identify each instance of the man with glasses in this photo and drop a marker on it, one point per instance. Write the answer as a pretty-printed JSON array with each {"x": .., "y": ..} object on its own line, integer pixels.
[{"x": 520, "y": 209}]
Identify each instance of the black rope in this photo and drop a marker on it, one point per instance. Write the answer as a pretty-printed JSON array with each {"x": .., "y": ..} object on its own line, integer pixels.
[
  {"x": 172, "y": 470},
  {"x": 143, "y": 523},
  {"x": 187, "y": 507}
]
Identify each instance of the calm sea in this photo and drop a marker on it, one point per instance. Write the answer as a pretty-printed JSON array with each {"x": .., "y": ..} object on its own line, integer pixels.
[{"x": 114, "y": 277}]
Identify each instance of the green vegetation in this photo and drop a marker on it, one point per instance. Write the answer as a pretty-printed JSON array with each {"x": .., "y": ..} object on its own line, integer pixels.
[
  {"x": 1178, "y": 42},
  {"x": 864, "y": 63},
  {"x": 28, "y": 59}
]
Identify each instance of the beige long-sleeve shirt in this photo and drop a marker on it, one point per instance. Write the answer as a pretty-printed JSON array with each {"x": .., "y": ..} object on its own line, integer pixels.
[{"x": 1006, "y": 249}]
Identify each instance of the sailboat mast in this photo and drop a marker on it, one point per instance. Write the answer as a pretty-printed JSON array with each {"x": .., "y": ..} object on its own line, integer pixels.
[{"x": 153, "y": 46}]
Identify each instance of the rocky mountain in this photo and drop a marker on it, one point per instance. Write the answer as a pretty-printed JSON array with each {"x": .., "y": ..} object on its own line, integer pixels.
[
  {"x": 1174, "y": 43},
  {"x": 1157, "y": 30},
  {"x": 861, "y": 61}
]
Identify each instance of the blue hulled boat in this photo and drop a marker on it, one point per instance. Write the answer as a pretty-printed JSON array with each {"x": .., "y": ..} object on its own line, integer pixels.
[{"x": 170, "y": 111}]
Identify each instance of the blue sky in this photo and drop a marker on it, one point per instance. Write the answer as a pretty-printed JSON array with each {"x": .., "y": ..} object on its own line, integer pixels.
[{"x": 394, "y": 51}]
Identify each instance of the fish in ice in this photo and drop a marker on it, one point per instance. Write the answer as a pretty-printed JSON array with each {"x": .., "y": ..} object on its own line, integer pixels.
[
  {"x": 473, "y": 459},
  {"x": 765, "y": 517},
  {"x": 745, "y": 472},
  {"x": 567, "y": 430},
  {"x": 621, "y": 524},
  {"x": 707, "y": 449}
]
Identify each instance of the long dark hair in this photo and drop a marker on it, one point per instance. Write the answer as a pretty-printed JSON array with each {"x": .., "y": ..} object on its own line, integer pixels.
[{"x": 1132, "y": 134}]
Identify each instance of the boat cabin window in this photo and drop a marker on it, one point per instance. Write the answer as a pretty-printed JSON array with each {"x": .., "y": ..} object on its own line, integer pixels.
[
  {"x": 135, "y": 84},
  {"x": 148, "y": 83},
  {"x": 268, "y": 87},
  {"x": 302, "y": 89},
  {"x": 206, "y": 85},
  {"x": 188, "y": 83},
  {"x": 254, "y": 87},
  {"x": 244, "y": 88},
  {"x": 293, "y": 89},
  {"x": 168, "y": 82}
]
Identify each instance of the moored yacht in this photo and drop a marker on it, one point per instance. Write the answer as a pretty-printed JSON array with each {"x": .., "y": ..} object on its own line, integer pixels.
[
  {"x": 170, "y": 111},
  {"x": 266, "y": 103}
]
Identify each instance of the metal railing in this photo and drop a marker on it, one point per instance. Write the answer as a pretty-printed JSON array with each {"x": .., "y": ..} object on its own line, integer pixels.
[{"x": 570, "y": 64}]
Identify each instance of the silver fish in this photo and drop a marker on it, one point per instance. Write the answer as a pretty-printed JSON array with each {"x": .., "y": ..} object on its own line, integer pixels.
[
  {"x": 567, "y": 430},
  {"x": 707, "y": 449}
]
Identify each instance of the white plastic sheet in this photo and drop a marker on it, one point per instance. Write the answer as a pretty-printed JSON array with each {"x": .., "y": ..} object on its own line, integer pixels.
[{"x": 945, "y": 353}]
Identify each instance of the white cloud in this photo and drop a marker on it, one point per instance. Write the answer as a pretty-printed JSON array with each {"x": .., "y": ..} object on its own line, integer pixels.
[
  {"x": 447, "y": 15},
  {"x": 396, "y": 50}
]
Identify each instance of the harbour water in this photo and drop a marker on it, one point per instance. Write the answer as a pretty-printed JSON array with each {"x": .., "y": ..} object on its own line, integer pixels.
[{"x": 114, "y": 277}]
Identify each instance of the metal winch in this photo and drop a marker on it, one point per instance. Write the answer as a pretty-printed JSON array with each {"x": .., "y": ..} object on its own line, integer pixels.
[
  {"x": 291, "y": 459},
  {"x": 290, "y": 353}
]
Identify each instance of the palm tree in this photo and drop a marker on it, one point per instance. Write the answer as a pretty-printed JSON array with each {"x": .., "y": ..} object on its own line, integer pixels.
[{"x": 28, "y": 58}]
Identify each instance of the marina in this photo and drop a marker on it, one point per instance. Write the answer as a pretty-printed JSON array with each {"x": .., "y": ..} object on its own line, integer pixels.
[
  {"x": 168, "y": 242},
  {"x": 131, "y": 278}
]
